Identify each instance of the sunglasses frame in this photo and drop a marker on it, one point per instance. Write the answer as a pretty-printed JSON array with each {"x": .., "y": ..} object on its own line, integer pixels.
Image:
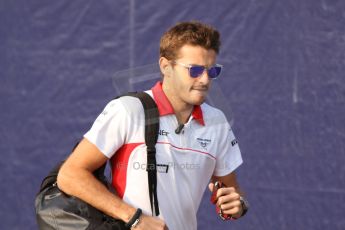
[{"x": 189, "y": 66}]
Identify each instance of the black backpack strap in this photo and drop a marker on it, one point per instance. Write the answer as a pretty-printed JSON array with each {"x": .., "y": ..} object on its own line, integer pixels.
[{"x": 151, "y": 137}]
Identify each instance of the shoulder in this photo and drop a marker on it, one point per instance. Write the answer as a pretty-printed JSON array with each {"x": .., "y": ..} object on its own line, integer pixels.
[
  {"x": 127, "y": 104},
  {"x": 132, "y": 105},
  {"x": 212, "y": 115}
]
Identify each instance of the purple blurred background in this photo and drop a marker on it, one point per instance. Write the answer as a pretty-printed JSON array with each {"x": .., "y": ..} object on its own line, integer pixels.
[{"x": 283, "y": 89}]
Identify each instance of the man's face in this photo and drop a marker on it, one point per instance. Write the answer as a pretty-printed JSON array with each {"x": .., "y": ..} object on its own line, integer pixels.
[{"x": 188, "y": 90}]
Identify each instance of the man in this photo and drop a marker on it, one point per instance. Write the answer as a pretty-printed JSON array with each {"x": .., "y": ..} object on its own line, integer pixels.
[{"x": 195, "y": 144}]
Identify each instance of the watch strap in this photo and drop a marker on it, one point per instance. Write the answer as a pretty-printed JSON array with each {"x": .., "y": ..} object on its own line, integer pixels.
[{"x": 134, "y": 221}]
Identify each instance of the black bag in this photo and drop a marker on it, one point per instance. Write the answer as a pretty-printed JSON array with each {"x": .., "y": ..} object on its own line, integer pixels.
[{"x": 56, "y": 210}]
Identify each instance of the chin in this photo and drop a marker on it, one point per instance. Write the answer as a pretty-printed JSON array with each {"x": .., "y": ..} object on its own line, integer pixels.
[
  {"x": 197, "y": 101},
  {"x": 195, "y": 98}
]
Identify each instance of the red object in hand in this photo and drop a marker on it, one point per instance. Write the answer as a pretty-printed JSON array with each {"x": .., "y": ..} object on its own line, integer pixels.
[{"x": 218, "y": 185}]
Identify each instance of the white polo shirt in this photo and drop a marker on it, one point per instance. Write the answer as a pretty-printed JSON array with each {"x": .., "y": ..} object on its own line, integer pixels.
[{"x": 206, "y": 146}]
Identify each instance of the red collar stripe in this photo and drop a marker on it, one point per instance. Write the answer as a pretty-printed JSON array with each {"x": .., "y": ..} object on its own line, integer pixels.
[{"x": 165, "y": 108}]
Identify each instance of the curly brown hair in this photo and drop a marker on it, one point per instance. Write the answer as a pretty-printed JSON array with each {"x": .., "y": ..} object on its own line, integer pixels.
[{"x": 188, "y": 33}]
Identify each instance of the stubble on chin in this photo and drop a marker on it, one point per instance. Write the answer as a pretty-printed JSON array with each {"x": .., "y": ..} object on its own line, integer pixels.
[{"x": 197, "y": 97}]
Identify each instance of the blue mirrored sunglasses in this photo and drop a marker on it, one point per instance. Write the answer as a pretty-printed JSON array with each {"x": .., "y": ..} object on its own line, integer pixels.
[{"x": 197, "y": 70}]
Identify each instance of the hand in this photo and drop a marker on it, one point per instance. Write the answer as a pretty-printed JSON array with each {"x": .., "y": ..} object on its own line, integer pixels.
[
  {"x": 228, "y": 199},
  {"x": 151, "y": 223}
]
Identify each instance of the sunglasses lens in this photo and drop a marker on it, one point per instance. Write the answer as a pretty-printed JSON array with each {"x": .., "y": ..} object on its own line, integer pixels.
[
  {"x": 214, "y": 71},
  {"x": 196, "y": 71}
]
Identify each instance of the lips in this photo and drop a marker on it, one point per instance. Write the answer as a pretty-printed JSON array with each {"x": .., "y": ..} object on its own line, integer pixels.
[{"x": 205, "y": 88}]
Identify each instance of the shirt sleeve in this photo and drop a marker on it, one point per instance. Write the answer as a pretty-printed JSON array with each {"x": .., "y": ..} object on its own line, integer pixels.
[
  {"x": 108, "y": 132},
  {"x": 229, "y": 154}
]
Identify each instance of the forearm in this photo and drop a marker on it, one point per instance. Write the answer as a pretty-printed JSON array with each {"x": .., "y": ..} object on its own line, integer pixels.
[{"x": 81, "y": 183}]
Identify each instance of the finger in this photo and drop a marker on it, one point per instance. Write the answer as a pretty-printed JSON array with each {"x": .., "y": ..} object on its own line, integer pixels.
[
  {"x": 225, "y": 191},
  {"x": 232, "y": 211},
  {"x": 228, "y": 198},
  {"x": 211, "y": 186},
  {"x": 230, "y": 205}
]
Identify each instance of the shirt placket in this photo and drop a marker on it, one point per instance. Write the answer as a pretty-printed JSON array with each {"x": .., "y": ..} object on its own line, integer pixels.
[{"x": 185, "y": 134}]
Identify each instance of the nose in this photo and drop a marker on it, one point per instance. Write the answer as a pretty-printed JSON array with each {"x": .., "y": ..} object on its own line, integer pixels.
[{"x": 204, "y": 78}]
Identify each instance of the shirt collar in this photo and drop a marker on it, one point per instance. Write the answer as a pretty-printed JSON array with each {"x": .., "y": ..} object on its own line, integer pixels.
[{"x": 165, "y": 108}]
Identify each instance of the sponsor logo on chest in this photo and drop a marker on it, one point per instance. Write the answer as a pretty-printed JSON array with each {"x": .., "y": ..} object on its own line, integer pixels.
[{"x": 203, "y": 142}]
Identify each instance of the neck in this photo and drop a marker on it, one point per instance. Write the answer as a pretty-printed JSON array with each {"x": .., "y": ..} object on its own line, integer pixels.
[{"x": 182, "y": 109}]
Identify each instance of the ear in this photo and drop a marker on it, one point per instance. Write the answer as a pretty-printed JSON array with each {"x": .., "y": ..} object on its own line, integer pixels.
[{"x": 164, "y": 66}]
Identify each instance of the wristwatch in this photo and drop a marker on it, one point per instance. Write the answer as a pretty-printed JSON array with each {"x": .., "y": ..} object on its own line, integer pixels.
[
  {"x": 134, "y": 221},
  {"x": 245, "y": 205}
]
